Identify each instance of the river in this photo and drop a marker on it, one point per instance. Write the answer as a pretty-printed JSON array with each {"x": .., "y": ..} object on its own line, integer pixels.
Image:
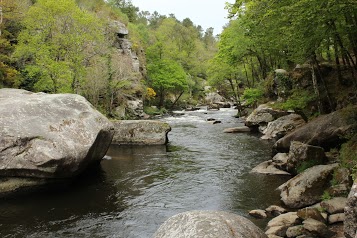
[{"x": 130, "y": 195}]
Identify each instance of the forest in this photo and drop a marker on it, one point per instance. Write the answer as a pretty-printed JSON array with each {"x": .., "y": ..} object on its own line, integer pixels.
[{"x": 68, "y": 46}]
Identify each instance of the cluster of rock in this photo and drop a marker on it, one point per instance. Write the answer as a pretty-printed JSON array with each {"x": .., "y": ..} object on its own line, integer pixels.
[
  {"x": 319, "y": 185},
  {"x": 49, "y": 138}
]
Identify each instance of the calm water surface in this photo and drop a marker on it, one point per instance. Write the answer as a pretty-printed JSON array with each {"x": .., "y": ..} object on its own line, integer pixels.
[{"x": 130, "y": 195}]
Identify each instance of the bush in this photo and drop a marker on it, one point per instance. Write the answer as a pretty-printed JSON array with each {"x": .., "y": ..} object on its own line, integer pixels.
[
  {"x": 252, "y": 95},
  {"x": 348, "y": 155},
  {"x": 298, "y": 100}
]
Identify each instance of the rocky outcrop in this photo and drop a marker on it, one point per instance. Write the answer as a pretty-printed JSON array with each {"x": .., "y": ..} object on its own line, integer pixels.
[
  {"x": 208, "y": 224},
  {"x": 350, "y": 223},
  {"x": 143, "y": 132},
  {"x": 281, "y": 126},
  {"x": 302, "y": 156},
  {"x": 327, "y": 131},
  {"x": 307, "y": 188},
  {"x": 49, "y": 135},
  {"x": 123, "y": 44},
  {"x": 262, "y": 115}
]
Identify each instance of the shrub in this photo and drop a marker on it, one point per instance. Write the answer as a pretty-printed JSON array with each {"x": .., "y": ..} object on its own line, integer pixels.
[{"x": 252, "y": 95}]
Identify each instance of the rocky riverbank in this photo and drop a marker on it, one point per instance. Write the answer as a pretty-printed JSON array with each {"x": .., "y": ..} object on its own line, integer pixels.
[{"x": 318, "y": 200}]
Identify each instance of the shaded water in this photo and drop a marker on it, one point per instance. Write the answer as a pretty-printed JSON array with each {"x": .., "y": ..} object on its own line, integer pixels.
[{"x": 141, "y": 186}]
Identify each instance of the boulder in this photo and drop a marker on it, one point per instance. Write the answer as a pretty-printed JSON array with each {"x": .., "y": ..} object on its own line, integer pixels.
[
  {"x": 141, "y": 132},
  {"x": 350, "y": 224},
  {"x": 279, "y": 225},
  {"x": 275, "y": 210},
  {"x": 279, "y": 231},
  {"x": 119, "y": 28},
  {"x": 280, "y": 161},
  {"x": 237, "y": 129},
  {"x": 317, "y": 228},
  {"x": 262, "y": 115},
  {"x": 335, "y": 218},
  {"x": 135, "y": 108},
  {"x": 310, "y": 212},
  {"x": 302, "y": 156},
  {"x": 260, "y": 214},
  {"x": 281, "y": 126},
  {"x": 307, "y": 188},
  {"x": 326, "y": 131},
  {"x": 267, "y": 167},
  {"x": 295, "y": 231},
  {"x": 208, "y": 224},
  {"x": 334, "y": 205},
  {"x": 50, "y": 135},
  {"x": 213, "y": 97}
]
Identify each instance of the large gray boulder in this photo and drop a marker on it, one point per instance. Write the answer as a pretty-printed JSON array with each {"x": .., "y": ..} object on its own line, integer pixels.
[
  {"x": 281, "y": 126},
  {"x": 208, "y": 224},
  {"x": 350, "y": 223},
  {"x": 50, "y": 135},
  {"x": 307, "y": 188},
  {"x": 262, "y": 115},
  {"x": 326, "y": 131},
  {"x": 302, "y": 156},
  {"x": 140, "y": 132}
]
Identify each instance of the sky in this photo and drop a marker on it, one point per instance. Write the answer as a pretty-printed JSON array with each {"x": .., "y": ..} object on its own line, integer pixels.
[{"x": 207, "y": 13}]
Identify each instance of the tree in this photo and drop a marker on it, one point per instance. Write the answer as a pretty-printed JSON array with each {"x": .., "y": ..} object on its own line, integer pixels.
[
  {"x": 56, "y": 45},
  {"x": 12, "y": 14},
  {"x": 167, "y": 76}
]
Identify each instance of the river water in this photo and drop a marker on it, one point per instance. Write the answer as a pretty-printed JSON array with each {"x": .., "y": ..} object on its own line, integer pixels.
[{"x": 130, "y": 195}]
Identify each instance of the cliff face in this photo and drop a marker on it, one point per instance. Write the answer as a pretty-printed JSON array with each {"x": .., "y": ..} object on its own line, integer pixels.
[
  {"x": 130, "y": 105},
  {"x": 123, "y": 44}
]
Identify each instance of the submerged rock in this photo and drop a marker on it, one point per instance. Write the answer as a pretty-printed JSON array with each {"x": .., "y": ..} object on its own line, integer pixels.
[
  {"x": 142, "y": 132},
  {"x": 237, "y": 129},
  {"x": 50, "y": 135},
  {"x": 208, "y": 224}
]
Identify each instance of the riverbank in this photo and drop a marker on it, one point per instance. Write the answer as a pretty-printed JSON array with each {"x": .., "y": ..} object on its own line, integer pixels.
[{"x": 321, "y": 182}]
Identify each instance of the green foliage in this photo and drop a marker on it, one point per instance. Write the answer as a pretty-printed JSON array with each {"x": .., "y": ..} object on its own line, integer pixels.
[
  {"x": 348, "y": 155},
  {"x": 298, "y": 100},
  {"x": 304, "y": 165},
  {"x": 252, "y": 95},
  {"x": 55, "y": 43},
  {"x": 167, "y": 75},
  {"x": 154, "y": 111},
  {"x": 326, "y": 196}
]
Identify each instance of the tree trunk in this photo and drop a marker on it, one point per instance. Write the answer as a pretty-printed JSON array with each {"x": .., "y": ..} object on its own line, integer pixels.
[
  {"x": 316, "y": 89},
  {"x": 173, "y": 104}
]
